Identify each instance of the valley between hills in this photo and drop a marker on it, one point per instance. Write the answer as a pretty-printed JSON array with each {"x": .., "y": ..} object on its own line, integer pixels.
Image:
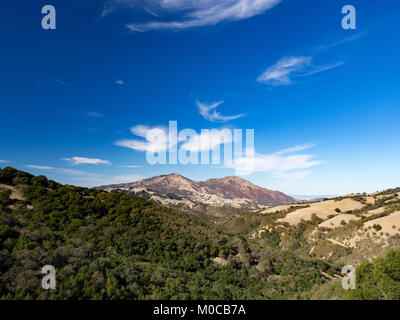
[{"x": 169, "y": 237}]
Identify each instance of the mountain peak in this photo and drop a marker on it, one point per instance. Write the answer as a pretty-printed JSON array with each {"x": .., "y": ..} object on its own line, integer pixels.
[
  {"x": 233, "y": 178},
  {"x": 231, "y": 187},
  {"x": 173, "y": 175},
  {"x": 237, "y": 187}
]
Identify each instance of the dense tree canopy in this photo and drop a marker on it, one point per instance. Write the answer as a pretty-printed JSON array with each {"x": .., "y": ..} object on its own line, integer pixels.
[{"x": 379, "y": 280}]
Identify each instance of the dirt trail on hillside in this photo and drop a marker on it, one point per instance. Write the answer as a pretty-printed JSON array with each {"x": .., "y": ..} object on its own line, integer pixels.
[{"x": 15, "y": 193}]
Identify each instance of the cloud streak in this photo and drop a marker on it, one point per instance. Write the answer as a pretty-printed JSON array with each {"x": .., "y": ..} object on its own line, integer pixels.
[
  {"x": 33, "y": 166},
  {"x": 59, "y": 81},
  {"x": 281, "y": 163},
  {"x": 190, "y": 13},
  {"x": 281, "y": 72},
  {"x": 324, "y": 68},
  {"x": 345, "y": 40},
  {"x": 206, "y": 141},
  {"x": 129, "y": 166},
  {"x": 155, "y": 139},
  {"x": 80, "y": 160},
  {"x": 209, "y": 112}
]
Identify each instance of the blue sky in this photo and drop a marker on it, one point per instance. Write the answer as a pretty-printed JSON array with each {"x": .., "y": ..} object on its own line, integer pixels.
[{"x": 286, "y": 69}]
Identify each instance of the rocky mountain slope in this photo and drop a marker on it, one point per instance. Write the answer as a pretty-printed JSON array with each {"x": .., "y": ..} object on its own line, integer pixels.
[{"x": 215, "y": 197}]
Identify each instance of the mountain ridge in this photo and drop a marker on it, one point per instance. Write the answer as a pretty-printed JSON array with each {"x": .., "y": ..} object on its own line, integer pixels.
[
  {"x": 217, "y": 196},
  {"x": 230, "y": 186}
]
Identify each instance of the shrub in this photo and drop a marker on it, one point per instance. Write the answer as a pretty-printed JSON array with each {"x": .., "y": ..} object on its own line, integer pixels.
[{"x": 377, "y": 227}]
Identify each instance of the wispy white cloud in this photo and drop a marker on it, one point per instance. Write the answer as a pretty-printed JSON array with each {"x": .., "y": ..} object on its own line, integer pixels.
[
  {"x": 32, "y": 166},
  {"x": 94, "y": 114},
  {"x": 59, "y": 81},
  {"x": 156, "y": 139},
  {"x": 323, "y": 68},
  {"x": 345, "y": 40},
  {"x": 281, "y": 73},
  {"x": 113, "y": 5},
  {"x": 81, "y": 160},
  {"x": 296, "y": 148},
  {"x": 120, "y": 82},
  {"x": 4, "y": 161},
  {"x": 129, "y": 166},
  {"x": 209, "y": 112},
  {"x": 207, "y": 140},
  {"x": 59, "y": 170},
  {"x": 191, "y": 13},
  {"x": 281, "y": 163}
]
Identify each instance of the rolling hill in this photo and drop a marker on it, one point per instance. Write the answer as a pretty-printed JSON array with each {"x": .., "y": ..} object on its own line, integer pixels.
[{"x": 113, "y": 245}]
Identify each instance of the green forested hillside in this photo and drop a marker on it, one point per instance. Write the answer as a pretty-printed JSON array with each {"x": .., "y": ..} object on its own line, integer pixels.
[
  {"x": 117, "y": 246},
  {"x": 379, "y": 280}
]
